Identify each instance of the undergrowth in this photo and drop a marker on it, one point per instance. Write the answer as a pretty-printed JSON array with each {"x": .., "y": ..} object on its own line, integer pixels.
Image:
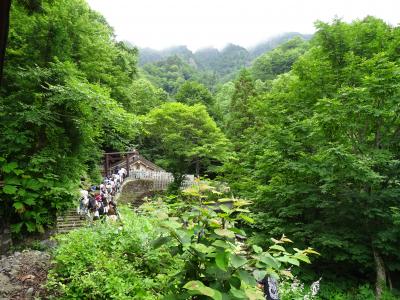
[{"x": 113, "y": 261}]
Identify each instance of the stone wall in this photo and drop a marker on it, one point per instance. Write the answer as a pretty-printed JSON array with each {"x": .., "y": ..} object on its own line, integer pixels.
[{"x": 134, "y": 189}]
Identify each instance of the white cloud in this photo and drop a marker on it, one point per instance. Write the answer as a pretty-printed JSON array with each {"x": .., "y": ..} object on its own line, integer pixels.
[{"x": 162, "y": 23}]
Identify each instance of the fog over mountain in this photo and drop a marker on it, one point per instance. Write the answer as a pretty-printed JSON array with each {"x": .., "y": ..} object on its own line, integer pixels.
[
  {"x": 210, "y": 65},
  {"x": 211, "y": 57}
]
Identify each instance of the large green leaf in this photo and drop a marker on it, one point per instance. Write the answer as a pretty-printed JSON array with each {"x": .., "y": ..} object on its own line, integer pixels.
[
  {"x": 246, "y": 277},
  {"x": 257, "y": 249},
  {"x": 184, "y": 236},
  {"x": 270, "y": 261},
  {"x": 225, "y": 233},
  {"x": 237, "y": 260},
  {"x": 222, "y": 244},
  {"x": 225, "y": 209},
  {"x": 222, "y": 260},
  {"x": 160, "y": 241},
  {"x": 278, "y": 248},
  {"x": 246, "y": 218},
  {"x": 172, "y": 224},
  {"x": 238, "y": 293},
  {"x": 12, "y": 180},
  {"x": 10, "y": 189},
  {"x": 32, "y": 184},
  {"x": 30, "y": 226},
  {"x": 7, "y": 168},
  {"x": 293, "y": 261},
  {"x": 203, "y": 248},
  {"x": 254, "y": 294},
  {"x": 29, "y": 201},
  {"x": 302, "y": 257},
  {"x": 198, "y": 288},
  {"x": 16, "y": 227},
  {"x": 259, "y": 274},
  {"x": 19, "y": 206}
]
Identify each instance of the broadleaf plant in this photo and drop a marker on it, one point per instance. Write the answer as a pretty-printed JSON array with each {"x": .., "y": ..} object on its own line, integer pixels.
[{"x": 206, "y": 233}]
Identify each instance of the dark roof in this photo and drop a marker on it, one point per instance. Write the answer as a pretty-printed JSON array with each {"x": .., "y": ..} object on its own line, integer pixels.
[
  {"x": 137, "y": 158},
  {"x": 147, "y": 162}
]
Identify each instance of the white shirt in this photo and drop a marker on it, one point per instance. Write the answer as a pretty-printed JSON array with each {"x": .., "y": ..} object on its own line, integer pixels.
[{"x": 84, "y": 193}]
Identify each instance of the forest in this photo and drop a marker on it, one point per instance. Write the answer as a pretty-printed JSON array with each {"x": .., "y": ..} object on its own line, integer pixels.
[{"x": 302, "y": 134}]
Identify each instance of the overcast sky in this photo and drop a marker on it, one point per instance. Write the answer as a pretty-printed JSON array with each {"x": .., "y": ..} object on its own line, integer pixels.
[{"x": 200, "y": 23}]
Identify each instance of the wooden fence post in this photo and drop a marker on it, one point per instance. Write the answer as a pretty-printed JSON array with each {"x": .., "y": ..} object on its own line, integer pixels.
[
  {"x": 106, "y": 165},
  {"x": 127, "y": 164}
]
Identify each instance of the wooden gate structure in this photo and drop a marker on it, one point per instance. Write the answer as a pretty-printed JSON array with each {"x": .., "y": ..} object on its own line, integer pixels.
[
  {"x": 130, "y": 160},
  {"x": 111, "y": 158},
  {"x": 139, "y": 169}
]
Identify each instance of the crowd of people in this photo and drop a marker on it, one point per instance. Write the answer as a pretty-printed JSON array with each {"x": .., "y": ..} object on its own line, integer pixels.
[{"x": 98, "y": 202}]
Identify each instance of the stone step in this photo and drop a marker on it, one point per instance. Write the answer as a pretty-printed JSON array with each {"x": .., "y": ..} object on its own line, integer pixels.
[
  {"x": 61, "y": 230},
  {"x": 75, "y": 215},
  {"x": 70, "y": 220},
  {"x": 65, "y": 230},
  {"x": 77, "y": 218},
  {"x": 77, "y": 225},
  {"x": 77, "y": 221},
  {"x": 70, "y": 216}
]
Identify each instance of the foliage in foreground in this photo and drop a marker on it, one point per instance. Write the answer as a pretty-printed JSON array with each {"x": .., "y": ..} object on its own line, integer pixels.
[
  {"x": 197, "y": 255},
  {"x": 110, "y": 261},
  {"x": 202, "y": 229}
]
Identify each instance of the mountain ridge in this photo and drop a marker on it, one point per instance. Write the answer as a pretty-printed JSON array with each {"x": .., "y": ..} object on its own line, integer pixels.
[{"x": 149, "y": 55}]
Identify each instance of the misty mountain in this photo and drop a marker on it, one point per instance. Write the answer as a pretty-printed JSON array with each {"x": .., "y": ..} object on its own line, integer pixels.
[
  {"x": 222, "y": 64},
  {"x": 274, "y": 42},
  {"x": 207, "y": 57},
  {"x": 148, "y": 55}
]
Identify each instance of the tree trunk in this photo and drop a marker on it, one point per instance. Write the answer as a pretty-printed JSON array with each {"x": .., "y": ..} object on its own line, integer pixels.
[
  {"x": 4, "y": 25},
  {"x": 389, "y": 278},
  {"x": 197, "y": 168},
  {"x": 380, "y": 274}
]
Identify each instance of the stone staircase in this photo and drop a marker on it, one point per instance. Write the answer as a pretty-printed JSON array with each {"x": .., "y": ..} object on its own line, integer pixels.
[{"x": 69, "y": 221}]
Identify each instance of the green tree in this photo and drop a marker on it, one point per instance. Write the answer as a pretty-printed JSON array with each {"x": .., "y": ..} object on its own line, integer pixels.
[
  {"x": 184, "y": 138},
  {"x": 57, "y": 113},
  {"x": 169, "y": 74},
  {"x": 192, "y": 92},
  {"x": 144, "y": 96},
  {"x": 279, "y": 60},
  {"x": 240, "y": 115},
  {"x": 223, "y": 98},
  {"x": 324, "y": 150}
]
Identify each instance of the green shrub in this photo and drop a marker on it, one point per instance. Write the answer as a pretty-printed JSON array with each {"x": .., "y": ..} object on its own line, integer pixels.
[
  {"x": 113, "y": 261},
  {"x": 334, "y": 291},
  {"x": 203, "y": 229},
  {"x": 185, "y": 249}
]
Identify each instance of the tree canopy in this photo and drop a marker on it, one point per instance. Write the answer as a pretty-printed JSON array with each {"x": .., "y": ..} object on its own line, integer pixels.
[
  {"x": 57, "y": 111},
  {"x": 184, "y": 138},
  {"x": 192, "y": 92},
  {"x": 278, "y": 61},
  {"x": 323, "y": 149}
]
